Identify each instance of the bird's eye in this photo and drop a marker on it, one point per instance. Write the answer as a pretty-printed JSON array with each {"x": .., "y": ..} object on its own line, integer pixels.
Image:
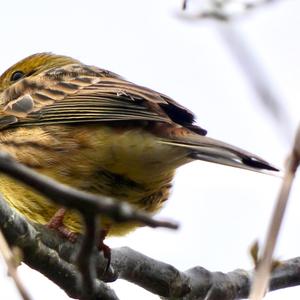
[{"x": 17, "y": 75}]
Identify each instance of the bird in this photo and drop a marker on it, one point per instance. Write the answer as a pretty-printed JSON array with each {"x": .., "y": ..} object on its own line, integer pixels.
[{"x": 91, "y": 129}]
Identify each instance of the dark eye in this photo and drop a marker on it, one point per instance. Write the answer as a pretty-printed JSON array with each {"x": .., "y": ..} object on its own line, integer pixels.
[{"x": 17, "y": 75}]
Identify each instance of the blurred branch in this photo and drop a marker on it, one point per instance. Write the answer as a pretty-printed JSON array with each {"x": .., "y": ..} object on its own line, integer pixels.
[
  {"x": 243, "y": 53},
  {"x": 262, "y": 274},
  {"x": 253, "y": 69},
  {"x": 224, "y": 10},
  {"x": 11, "y": 264},
  {"x": 45, "y": 251}
]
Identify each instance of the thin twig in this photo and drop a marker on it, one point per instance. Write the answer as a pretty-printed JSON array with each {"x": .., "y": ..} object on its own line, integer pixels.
[
  {"x": 249, "y": 63},
  {"x": 262, "y": 275},
  {"x": 258, "y": 78},
  {"x": 11, "y": 267},
  {"x": 85, "y": 259},
  {"x": 225, "y": 10},
  {"x": 66, "y": 196}
]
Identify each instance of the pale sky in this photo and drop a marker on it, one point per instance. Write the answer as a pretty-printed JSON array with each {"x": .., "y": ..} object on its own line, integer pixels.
[{"x": 221, "y": 210}]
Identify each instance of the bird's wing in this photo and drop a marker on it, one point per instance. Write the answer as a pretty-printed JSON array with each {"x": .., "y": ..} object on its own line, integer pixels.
[
  {"x": 78, "y": 93},
  {"x": 67, "y": 95}
]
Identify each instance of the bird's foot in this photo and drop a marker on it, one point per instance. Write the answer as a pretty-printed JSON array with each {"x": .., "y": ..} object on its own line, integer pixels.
[{"x": 56, "y": 223}]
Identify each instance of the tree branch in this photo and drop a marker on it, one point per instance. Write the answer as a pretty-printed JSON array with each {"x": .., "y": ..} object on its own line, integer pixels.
[
  {"x": 38, "y": 254},
  {"x": 45, "y": 251},
  {"x": 244, "y": 54},
  {"x": 262, "y": 274},
  {"x": 224, "y": 10}
]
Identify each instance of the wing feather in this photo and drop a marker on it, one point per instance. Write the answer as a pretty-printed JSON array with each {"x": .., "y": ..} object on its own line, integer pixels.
[{"x": 93, "y": 95}]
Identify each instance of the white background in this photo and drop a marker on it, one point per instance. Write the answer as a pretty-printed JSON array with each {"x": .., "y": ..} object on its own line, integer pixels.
[{"x": 221, "y": 210}]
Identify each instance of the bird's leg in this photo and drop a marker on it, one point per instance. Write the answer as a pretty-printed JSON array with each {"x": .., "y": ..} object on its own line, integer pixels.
[
  {"x": 103, "y": 247},
  {"x": 57, "y": 223}
]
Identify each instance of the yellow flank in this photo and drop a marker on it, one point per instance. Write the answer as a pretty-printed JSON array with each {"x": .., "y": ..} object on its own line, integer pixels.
[{"x": 100, "y": 159}]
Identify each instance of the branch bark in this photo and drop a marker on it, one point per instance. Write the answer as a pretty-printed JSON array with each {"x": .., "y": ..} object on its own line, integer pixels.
[{"x": 45, "y": 251}]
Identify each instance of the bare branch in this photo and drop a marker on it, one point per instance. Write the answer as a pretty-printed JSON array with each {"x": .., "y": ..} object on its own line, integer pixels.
[
  {"x": 262, "y": 274},
  {"x": 54, "y": 256},
  {"x": 245, "y": 56},
  {"x": 184, "y": 4},
  {"x": 39, "y": 255},
  {"x": 224, "y": 10},
  {"x": 258, "y": 78}
]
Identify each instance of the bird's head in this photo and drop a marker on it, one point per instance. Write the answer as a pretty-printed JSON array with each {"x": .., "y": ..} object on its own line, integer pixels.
[{"x": 31, "y": 66}]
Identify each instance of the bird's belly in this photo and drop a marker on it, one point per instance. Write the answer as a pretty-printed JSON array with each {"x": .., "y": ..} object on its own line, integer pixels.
[{"x": 127, "y": 165}]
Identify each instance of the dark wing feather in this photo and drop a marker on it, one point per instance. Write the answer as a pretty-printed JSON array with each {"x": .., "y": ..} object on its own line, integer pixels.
[{"x": 87, "y": 94}]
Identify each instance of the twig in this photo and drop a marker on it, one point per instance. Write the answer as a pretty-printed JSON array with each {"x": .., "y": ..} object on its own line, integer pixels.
[
  {"x": 262, "y": 274},
  {"x": 11, "y": 267},
  {"x": 258, "y": 78},
  {"x": 66, "y": 196},
  {"x": 251, "y": 66},
  {"x": 47, "y": 252},
  {"x": 85, "y": 259},
  {"x": 226, "y": 10}
]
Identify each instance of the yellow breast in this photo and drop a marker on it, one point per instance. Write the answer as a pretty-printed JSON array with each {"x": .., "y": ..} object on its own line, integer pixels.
[{"x": 128, "y": 165}]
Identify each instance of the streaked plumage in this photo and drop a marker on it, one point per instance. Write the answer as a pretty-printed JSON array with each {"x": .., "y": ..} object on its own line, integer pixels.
[{"x": 90, "y": 128}]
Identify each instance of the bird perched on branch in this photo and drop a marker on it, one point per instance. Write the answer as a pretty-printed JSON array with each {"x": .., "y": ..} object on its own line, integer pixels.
[{"x": 93, "y": 130}]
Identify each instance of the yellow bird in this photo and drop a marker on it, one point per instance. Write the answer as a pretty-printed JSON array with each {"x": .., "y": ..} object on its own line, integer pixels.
[{"x": 93, "y": 130}]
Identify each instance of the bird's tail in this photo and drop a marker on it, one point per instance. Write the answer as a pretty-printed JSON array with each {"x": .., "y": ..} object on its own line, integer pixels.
[{"x": 211, "y": 150}]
